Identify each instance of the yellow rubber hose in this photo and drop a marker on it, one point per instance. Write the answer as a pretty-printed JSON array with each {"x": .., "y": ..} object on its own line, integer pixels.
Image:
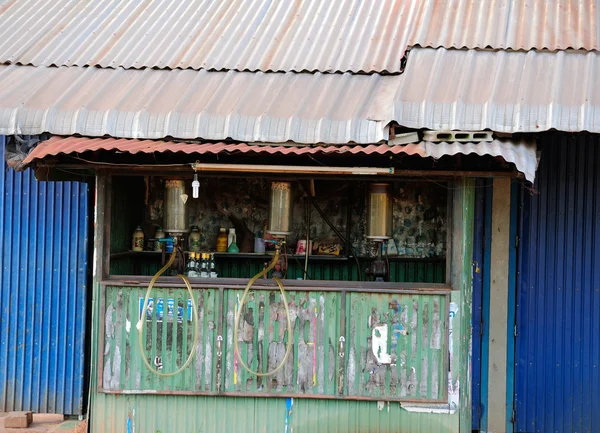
[
  {"x": 143, "y": 320},
  {"x": 290, "y": 341}
]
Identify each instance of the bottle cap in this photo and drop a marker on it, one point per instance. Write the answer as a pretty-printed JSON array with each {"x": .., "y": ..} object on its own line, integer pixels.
[
  {"x": 231, "y": 230},
  {"x": 222, "y": 229}
]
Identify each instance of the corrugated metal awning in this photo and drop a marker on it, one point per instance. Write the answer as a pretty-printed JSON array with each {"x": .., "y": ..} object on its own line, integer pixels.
[
  {"x": 521, "y": 154},
  {"x": 501, "y": 91},
  {"x": 187, "y": 104}
]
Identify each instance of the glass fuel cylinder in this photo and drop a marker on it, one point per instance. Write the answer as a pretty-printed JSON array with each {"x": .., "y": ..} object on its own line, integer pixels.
[
  {"x": 379, "y": 212},
  {"x": 280, "y": 209}
]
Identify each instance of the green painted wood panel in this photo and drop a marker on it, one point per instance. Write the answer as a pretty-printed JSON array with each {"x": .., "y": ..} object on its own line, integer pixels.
[
  {"x": 409, "y": 363},
  {"x": 334, "y": 352}
]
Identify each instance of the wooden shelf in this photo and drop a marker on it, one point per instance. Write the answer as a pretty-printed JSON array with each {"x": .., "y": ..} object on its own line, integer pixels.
[{"x": 268, "y": 256}]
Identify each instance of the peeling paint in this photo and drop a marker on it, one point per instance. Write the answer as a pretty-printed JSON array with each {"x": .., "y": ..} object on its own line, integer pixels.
[
  {"x": 379, "y": 337},
  {"x": 390, "y": 344}
]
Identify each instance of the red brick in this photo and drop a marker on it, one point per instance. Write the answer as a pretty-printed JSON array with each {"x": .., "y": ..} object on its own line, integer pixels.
[{"x": 18, "y": 420}]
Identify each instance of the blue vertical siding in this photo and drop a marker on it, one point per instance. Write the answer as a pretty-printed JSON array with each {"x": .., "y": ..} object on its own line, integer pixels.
[
  {"x": 481, "y": 300},
  {"x": 43, "y": 275},
  {"x": 557, "y": 350}
]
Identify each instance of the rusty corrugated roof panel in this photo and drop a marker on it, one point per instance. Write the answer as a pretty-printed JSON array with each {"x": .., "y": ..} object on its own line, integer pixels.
[
  {"x": 522, "y": 154},
  {"x": 500, "y": 91},
  {"x": 266, "y": 35},
  {"x": 68, "y": 145},
  {"x": 188, "y": 104}
]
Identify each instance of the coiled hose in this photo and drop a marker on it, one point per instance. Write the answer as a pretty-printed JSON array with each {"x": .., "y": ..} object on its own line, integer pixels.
[
  {"x": 287, "y": 315},
  {"x": 143, "y": 320}
]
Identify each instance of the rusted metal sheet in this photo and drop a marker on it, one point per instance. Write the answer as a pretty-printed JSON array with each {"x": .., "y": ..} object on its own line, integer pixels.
[
  {"x": 520, "y": 153},
  {"x": 77, "y": 145},
  {"x": 498, "y": 90},
  {"x": 392, "y": 346},
  {"x": 243, "y": 106},
  {"x": 262, "y": 35}
]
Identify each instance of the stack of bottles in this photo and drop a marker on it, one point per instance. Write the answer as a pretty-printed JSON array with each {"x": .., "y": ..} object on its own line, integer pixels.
[{"x": 201, "y": 265}]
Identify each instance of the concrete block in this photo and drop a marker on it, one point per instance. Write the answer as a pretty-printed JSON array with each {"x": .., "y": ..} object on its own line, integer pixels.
[
  {"x": 47, "y": 418},
  {"x": 18, "y": 420}
]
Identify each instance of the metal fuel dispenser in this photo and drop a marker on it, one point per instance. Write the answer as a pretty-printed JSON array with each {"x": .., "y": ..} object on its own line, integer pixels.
[
  {"x": 379, "y": 226},
  {"x": 279, "y": 226},
  {"x": 175, "y": 225}
]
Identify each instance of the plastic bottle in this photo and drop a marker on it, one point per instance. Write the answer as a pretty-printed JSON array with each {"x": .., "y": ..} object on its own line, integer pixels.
[
  {"x": 231, "y": 238},
  {"x": 233, "y": 248},
  {"x": 194, "y": 240},
  {"x": 158, "y": 246},
  {"x": 138, "y": 239},
  {"x": 222, "y": 241}
]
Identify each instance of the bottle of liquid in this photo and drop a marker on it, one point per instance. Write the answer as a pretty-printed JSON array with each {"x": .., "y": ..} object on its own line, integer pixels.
[
  {"x": 231, "y": 238},
  {"x": 191, "y": 266},
  {"x": 138, "y": 239},
  {"x": 158, "y": 246},
  {"x": 222, "y": 241},
  {"x": 196, "y": 267},
  {"x": 204, "y": 271},
  {"x": 194, "y": 240},
  {"x": 188, "y": 266},
  {"x": 212, "y": 267}
]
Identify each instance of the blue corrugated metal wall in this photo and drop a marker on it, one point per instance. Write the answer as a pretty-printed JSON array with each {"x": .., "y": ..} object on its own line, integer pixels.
[
  {"x": 557, "y": 359},
  {"x": 44, "y": 238},
  {"x": 481, "y": 301}
]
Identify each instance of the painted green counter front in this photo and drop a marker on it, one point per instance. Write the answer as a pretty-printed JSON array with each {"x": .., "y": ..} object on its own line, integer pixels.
[
  {"x": 115, "y": 412},
  {"x": 346, "y": 344}
]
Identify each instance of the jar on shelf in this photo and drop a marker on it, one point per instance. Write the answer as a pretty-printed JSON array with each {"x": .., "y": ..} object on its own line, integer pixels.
[{"x": 194, "y": 240}]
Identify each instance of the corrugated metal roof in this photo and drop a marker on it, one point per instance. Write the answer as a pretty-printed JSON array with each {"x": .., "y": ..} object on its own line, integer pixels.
[
  {"x": 512, "y": 24},
  {"x": 187, "y": 104},
  {"x": 501, "y": 91},
  {"x": 66, "y": 145},
  {"x": 267, "y": 35},
  {"x": 522, "y": 154}
]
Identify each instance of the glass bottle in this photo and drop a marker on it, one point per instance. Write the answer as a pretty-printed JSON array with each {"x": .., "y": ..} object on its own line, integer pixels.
[
  {"x": 197, "y": 264},
  {"x": 222, "y": 241},
  {"x": 192, "y": 266},
  {"x": 194, "y": 240},
  {"x": 204, "y": 271},
  {"x": 213, "y": 267}
]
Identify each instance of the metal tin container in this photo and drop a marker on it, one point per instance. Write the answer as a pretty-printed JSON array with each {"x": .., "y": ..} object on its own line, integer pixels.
[
  {"x": 176, "y": 217},
  {"x": 280, "y": 209},
  {"x": 379, "y": 212}
]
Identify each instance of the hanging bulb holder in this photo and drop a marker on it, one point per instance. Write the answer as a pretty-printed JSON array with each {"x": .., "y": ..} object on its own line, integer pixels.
[{"x": 195, "y": 186}]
